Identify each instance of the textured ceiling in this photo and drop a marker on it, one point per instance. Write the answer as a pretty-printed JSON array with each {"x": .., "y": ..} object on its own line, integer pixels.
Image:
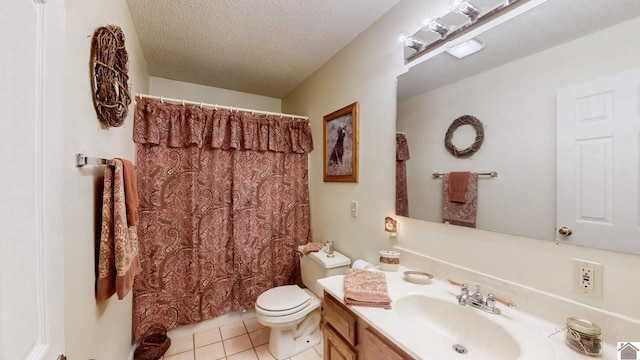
[
  {"x": 264, "y": 47},
  {"x": 550, "y": 24}
]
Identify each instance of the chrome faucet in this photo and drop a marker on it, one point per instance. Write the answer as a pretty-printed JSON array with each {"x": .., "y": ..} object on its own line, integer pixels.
[{"x": 477, "y": 300}]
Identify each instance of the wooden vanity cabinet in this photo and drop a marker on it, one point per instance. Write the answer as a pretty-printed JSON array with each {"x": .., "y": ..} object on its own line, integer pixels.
[{"x": 348, "y": 337}]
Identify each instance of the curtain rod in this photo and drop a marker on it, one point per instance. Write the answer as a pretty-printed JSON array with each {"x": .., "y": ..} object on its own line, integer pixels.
[{"x": 214, "y": 106}]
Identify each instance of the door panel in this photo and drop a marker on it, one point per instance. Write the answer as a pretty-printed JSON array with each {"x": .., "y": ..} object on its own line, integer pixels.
[
  {"x": 597, "y": 162},
  {"x": 31, "y": 252}
]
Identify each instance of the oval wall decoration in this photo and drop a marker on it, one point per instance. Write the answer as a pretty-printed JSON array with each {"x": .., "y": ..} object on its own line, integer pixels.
[
  {"x": 464, "y": 120},
  {"x": 109, "y": 75}
]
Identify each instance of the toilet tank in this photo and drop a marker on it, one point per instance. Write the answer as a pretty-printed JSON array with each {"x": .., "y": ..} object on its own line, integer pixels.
[{"x": 318, "y": 265}]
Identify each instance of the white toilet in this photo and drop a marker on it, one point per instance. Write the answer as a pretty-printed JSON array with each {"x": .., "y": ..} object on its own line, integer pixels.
[{"x": 292, "y": 313}]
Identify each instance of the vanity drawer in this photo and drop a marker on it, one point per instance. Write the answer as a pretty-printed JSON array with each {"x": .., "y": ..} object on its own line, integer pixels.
[{"x": 340, "y": 319}]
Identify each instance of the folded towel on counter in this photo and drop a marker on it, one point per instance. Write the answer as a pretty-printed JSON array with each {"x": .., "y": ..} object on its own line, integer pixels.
[
  {"x": 463, "y": 214},
  {"x": 458, "y": 182},
  {"x": 312, "y": 247},
  {"x": 366, "y": 288},
  {"x": 118, "y": 261}
]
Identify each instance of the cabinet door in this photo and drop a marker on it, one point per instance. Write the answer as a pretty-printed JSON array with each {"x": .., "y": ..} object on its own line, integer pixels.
[
  {"x": 335, "y": 348},
  {"x": 340, "y": 318},
  {"x": 377, "y": 347}
]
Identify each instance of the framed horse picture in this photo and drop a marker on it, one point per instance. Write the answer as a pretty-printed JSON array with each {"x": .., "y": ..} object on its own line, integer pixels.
[{"x": 341, "y": 145}]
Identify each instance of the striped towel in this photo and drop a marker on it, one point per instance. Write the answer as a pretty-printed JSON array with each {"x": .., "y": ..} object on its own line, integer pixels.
[
  {"x": 366, "y": 288},
  {"x": 118, "y": 260}
]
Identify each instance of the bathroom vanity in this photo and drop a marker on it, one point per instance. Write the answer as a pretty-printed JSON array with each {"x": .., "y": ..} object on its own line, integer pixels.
[
  {"x": 349, "y": 337},
  {"x": 427, "y": 321}
]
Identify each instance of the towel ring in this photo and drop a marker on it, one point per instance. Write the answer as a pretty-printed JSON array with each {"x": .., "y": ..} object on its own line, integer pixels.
[{"x": 464, "y": 120}]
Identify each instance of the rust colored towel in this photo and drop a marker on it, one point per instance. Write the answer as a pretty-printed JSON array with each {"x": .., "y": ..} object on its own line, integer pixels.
[
  {"x": 366, "y": 288},
  {"x": 402, "y": 155},
  {"x": 458, "y": 182},
  {"x": 118, "y": 261},
  {"x": 463, "y": 214},
  {"x": 130, "y": 192},
  {"x": 312, "y": 247}
]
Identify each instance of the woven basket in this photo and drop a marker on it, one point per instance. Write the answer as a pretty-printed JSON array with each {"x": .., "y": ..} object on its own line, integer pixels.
[{"x": 154, "y": 344}]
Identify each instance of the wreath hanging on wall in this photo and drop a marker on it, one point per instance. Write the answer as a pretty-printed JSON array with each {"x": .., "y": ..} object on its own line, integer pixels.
[
  {"x": 109, "y": 75},
  {"x": 464, "y": 120}
]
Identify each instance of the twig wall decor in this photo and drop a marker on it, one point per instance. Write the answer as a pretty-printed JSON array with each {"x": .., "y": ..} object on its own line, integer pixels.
[
  {"x": 109, "y": 75},
  {"x": 464, "y": 120}
]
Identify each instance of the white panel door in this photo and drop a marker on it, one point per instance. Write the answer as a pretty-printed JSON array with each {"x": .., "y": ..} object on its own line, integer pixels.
[
  {"x": 31, "y": 250},
  {"x": 597, "y": 162}
]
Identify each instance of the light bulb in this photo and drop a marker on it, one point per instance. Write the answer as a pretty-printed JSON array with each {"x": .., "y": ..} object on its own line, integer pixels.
[
  {"x": 425, "y": 20},
  {"x": 469, "y": 10},
  {"x": 438, "y": 28}
]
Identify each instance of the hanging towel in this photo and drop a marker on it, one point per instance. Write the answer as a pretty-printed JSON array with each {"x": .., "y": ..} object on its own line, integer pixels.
[
  {"x": 366, "y": 288},
  {"x": 458, "y": 182},
  {"x": 456, "y": 213},
  {"x": 118, "y": 261},
  {"x": 402, "y": 155},
  {"x": 130, "y": 192}
]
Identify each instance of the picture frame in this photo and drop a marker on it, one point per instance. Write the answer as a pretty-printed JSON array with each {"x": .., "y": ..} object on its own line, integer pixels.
[{"x": 341, "y": 145}]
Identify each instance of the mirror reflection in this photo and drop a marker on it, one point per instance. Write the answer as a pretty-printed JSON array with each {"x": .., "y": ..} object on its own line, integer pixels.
[{"x": 510, "y": 87}]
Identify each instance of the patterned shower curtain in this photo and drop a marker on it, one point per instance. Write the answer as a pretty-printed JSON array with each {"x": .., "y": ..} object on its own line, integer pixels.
[{"x": 224, "y": 203}]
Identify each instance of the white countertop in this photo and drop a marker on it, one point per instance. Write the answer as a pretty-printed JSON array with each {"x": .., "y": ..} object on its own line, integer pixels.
[{"x": 519, "y": 324}]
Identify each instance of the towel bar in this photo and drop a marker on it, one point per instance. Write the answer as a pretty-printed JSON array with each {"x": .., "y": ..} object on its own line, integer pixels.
[
  {"x": 82, "y": 160},
  {"x": 491, "y": 173}
]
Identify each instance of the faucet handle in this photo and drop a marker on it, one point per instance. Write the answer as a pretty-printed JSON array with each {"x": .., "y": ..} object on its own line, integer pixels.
[
  {"x": 505, "y": 301},
  {"x": 478, "y": 294},
  {"x": 491, "y": 301}
]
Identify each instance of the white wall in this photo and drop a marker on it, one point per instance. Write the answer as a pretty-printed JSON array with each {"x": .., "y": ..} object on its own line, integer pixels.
[
  {"x": 366, "y": 71},
  {"x": 92, "y": 330},
  {"x": 211, "y": 95}
]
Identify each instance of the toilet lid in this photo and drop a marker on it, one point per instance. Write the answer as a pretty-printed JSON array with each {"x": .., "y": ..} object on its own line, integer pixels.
[{"x": 283, "y": 300}]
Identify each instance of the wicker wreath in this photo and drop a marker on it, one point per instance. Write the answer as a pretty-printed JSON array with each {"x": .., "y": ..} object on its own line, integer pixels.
[
  {"x": 464, "y": 120},
  {"x": 109, "y": 75}
]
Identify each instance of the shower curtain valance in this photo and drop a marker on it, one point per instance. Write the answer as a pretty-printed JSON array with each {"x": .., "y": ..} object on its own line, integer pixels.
[{"x": 176, "y": 125}]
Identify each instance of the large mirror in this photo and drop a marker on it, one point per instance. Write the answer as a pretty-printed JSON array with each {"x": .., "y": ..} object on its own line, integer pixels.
[{"x": 510, "y": 86}]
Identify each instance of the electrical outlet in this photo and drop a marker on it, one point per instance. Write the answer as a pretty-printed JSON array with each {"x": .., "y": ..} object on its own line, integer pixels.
[
  {"x": 586, "y": 280},
  {"x": 354, "y": 209},
  {"x": 588, "y": 277}
]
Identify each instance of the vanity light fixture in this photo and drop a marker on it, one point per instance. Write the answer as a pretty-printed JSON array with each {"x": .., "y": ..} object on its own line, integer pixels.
[
  {"x": 464, "y": 15},
  {"x": 466, "y": 48},
  {"x": 391, "y": 226}
]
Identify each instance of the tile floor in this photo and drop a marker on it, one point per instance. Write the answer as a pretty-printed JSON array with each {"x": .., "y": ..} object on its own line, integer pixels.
[{"x": 245, "y": 340}]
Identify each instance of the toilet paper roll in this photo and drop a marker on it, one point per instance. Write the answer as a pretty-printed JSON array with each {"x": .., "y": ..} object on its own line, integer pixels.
[{"x": 361, "y": 264}]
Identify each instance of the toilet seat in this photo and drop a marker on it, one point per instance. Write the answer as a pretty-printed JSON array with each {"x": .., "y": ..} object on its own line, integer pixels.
[{"x": 282, "y": 301}]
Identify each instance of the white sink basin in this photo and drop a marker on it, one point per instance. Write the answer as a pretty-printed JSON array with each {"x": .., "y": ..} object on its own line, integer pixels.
[{"x": 464, "y": 332}]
